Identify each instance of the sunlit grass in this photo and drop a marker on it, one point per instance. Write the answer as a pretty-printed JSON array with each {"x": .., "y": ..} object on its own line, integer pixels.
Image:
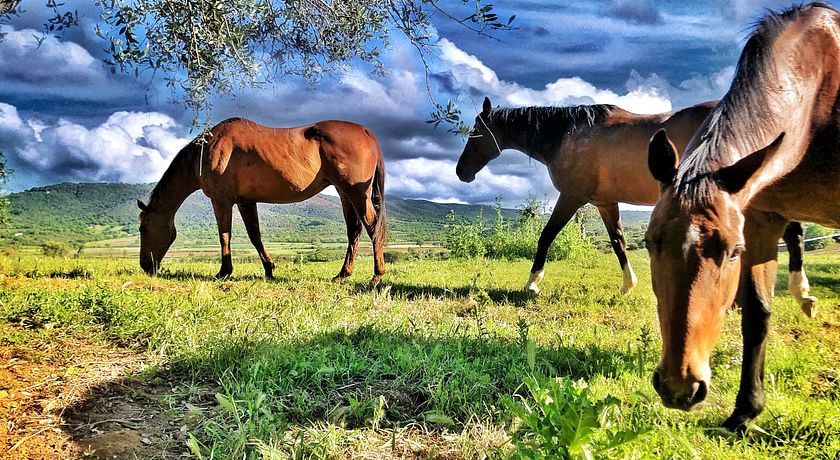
[{"x": 431, "y": 363}]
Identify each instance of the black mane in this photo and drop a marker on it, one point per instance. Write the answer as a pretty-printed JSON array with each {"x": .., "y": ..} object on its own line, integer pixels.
[
  {"x": 743, "y": 118},
  {"x": 543, "y": 128}
]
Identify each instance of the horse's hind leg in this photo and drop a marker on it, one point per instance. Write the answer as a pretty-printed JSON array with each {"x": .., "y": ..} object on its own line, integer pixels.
[
  {"x": 248, "y": 211},
  {"x": 367, "y": 213},
  {"x": 797, "y": 281},
  {"x": 354, "y": 230},
  {"x": 224, "y": 214},
  {"x": 612, "y": 220},
  {"x": 563, "y": 211}
]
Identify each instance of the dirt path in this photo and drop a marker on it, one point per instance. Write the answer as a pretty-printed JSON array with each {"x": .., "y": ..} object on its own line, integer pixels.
[{"x": 64, "y": 399}]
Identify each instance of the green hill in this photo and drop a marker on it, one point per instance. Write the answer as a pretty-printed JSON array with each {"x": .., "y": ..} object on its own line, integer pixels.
[
  {"x": 80, "y": 213},
  {"x": 83, "y": 213}
]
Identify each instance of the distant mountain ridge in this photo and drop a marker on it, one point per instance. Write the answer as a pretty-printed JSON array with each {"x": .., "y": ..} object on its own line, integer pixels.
[
  {"x": 82, "y": 212},
  {"x": 77, "y": 213}
]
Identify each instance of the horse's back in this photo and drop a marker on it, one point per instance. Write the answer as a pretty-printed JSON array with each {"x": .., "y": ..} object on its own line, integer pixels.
[{"x": 250, "y": 161}]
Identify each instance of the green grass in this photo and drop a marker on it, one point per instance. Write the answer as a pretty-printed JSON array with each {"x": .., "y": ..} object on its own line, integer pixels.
[{"x": 435, "y": 360}]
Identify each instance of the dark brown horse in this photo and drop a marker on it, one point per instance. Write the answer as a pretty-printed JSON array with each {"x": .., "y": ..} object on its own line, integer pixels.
[
  {"x": 768, "y": 154},
  {"x": 244, "y": 163},
  {"x": 594, "y": 154}
]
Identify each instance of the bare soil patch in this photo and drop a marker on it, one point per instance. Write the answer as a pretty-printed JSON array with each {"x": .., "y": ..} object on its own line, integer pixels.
[{"x": 66, "y": 398}]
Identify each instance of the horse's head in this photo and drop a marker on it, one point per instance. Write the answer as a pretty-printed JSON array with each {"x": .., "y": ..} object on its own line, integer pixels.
[
  {"x": 481, "y": 147},
  {"x": 157, "y": 232},
  {"x": 695, "y": 264}
]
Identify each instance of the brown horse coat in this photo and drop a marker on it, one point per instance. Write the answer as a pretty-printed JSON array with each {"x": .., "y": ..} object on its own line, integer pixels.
[
  {"x": 243, "y": 162},
  {"x": 594, "y": 154},
  {"x": 768, "y": 154}
]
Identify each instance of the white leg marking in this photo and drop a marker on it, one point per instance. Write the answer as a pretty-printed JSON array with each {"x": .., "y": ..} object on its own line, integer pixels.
[
  {"x": 630, "y": 279},
  {"x": 533, "y": 280},
  {"x": 801, "y": 291}
]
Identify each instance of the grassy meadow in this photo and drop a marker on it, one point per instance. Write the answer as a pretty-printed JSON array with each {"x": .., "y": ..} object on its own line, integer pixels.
[{"x": 448, "y": 359}]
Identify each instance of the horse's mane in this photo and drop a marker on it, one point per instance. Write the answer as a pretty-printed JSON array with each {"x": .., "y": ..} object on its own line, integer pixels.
[
  {"x": 545, "y": 127},
  {"x": 181, "y": 166},
  {"x": 743, "y": 117}
]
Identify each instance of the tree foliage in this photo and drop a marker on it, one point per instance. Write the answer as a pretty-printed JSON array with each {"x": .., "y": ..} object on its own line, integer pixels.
[
  {"x": 207, "y": 47},
  {"x": 4, "y": 202}
]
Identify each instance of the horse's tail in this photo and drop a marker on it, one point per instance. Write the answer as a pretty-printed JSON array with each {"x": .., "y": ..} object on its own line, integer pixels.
[{"x": 380, "y": 227}]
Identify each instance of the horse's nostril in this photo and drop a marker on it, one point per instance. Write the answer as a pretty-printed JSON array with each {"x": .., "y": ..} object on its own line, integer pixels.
[
  {"x": 699, "y": 392},
  {"x": 657, "y": 383}
]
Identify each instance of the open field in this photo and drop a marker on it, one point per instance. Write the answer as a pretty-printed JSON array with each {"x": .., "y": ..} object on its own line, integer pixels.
[{"x": 100, "y": 360}]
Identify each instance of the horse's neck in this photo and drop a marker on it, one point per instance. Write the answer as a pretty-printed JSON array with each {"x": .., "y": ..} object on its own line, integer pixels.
[
  {"x": 178, "y": 182},
  {"x": 519, "y": 142}
]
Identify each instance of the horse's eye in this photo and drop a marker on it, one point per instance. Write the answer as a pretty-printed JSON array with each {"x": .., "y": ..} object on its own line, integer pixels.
[{"x": 736, "y": 252}]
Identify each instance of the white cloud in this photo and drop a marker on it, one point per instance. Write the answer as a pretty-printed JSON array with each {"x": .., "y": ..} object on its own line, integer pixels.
[
  {"x": 470, "y": 73},
  {"x": 711, "y": 86},
  {"x": 435, "y": 180},
  {"x": 53, "y": 61},
  {"x": 127, "y": 147}
]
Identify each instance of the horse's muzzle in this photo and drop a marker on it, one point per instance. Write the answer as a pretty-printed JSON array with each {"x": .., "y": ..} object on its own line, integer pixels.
[
  {"x": 464, "y": 176},
  {"x": 684, "y": 396}
]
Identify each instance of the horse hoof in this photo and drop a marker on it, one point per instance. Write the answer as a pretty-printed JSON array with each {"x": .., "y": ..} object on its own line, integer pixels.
[
  {"x": 339, "y": 278},
  {"x": 808, "y": 305},
  {"x": 269, "y": 271},
  {"x": 223, "y": 274},
  {"x": 626, "y": 289},
  {"x": 532, "y": 288},
  {"x": 374, "y": 282}
]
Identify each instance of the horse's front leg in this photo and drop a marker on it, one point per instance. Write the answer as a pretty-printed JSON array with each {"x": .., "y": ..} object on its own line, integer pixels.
[
  {"x": 224, "y": 214},
  {"x": 563, "y": 212},
  {"x": 354, "y": 231},
  {"x": 797, "y": 281},
  {"x": 248, "y": 211},
  {"x": 755, "y": 294},
  {"x": 612, "y": 220}
]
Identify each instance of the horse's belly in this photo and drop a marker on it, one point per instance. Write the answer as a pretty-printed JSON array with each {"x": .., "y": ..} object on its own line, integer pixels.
[{"x": 269, "y": 186}]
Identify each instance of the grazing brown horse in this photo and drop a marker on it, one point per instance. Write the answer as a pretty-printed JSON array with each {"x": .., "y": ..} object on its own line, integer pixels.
[
  {"x": 769, "y": 153},
  {"x": 594, "y": 154},
  {"x": 244, "y": 163}
]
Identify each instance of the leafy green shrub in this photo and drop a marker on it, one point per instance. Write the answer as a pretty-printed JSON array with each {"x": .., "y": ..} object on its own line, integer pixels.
[
  {"x": 511, "y": 240},
  {"x": 410, "y": 254},
  {"x": 561, "y": 421},
  {"x": 816, "y": 230},
  {"x": 55, "y": 249},
  {"x": 466, "y": 239},
  {"x": 325, "y": 255}
]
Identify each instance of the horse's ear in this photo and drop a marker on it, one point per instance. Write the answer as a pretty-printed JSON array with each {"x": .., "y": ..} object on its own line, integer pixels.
[
  {"x": 662, "y": 158},
  {"x": 142, "y": 205},
  {"x": 733, "y": 178},
  {"x": 487, "y": 106}
]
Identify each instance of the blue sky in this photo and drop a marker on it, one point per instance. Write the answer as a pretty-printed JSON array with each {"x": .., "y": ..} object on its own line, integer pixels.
[{"x": 63, "y": 117}]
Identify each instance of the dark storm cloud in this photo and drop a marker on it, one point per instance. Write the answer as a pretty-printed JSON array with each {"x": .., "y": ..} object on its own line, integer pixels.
[
  {"x": 635, "y": 11},
  {"x": 581, "y": 48}
]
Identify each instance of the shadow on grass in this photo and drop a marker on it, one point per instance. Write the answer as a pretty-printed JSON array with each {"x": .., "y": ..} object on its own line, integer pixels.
[
  {"x": 360, "y": 378},
  {"x": 411, "y": 292},
  {"x": 183, "y": 275}
]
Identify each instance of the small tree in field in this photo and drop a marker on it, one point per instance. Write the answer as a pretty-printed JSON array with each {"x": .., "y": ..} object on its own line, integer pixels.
[
  {"x": 55, "y": 249},
  {"x": 814, "y": 231},
  {"x": 4, "y": 202}
]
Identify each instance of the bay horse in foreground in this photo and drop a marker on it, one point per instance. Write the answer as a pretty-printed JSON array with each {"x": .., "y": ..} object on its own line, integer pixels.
[
  {"x": 769, "y": 153},
  {"x": 241, "y": 162},
  {"x": 595, "y": 154}
]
